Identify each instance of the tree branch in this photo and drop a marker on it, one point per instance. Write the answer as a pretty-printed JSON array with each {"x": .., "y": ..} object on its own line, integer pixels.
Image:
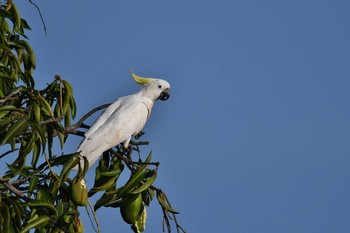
[
  {"x": 4, "y": 100},
  {"x": 166, "y": 213},
  {"x": 51, "y": 120},
  {"x": 71, "y": 129},
  {"x": 14, "y": 190},
  {"x": 41, "y": 16}
]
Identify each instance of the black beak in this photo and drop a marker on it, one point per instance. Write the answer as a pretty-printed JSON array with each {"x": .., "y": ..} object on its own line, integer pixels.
[{"x": 164, "y": 95}]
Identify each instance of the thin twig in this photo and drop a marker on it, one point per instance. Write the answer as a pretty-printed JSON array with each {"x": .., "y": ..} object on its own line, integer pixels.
[
  {"x": 138, "y": 143},
  {"x": 95, "y": 217},
  {"x": 81, "y": 121},
  {"x": 41, "y": 16},
  {"x": 14, "y": 190},
  {"x": 20, "y": 181},
  {"x": 166, "y": 214},
  {"x": 120, "y": 156},
  {"x": 51, "y": 120},
  {"x": 4, "y": 100},
  {"x": 143, "y": 163},
  {"x": 178, "y": 227},
  {"x": 8, "y": 152}
]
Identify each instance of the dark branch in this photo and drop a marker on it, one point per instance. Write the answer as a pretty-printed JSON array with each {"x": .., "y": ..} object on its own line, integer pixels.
[
  {"x": 166, "y": 213},
  {"x": 138, "y": 143},
  {"x": 8, "y": 152},
  {"x": 80, "y": 123},
  {"x": 41, "y": 16},
  {"x": 14, "y": 190}
]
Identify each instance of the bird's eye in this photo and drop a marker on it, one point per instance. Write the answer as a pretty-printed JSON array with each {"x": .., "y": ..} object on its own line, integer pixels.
[{"x": 159, "y": 86}]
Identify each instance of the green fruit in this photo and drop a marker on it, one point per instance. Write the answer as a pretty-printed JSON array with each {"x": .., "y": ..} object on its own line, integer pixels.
[
  {"x": 131, "y": 211},
  {"x": 79, "y": 192}
]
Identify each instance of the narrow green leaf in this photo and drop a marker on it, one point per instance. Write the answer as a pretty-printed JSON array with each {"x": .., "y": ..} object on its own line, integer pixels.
[
  {"x": 15, "y": 17},
  {"x": 10, "y": 108},
  {"x": 30, "y": 52},
  {"x": 16, "y": 207},
  {"x": 146, "y": 184},
  {"x": 73, "y": 107},
  {"x": 41, "y": 221},
  {"x": 149, "y": 157},
  {"x": 164, "y": 204},
  {"x": 72, "y": 162},
  {"x": 5, "y": 217},
  {"x": 123, "y": 202},
  {"x": 32, "y": 184},
  {"x": 36, "y": 154},
  {"x": 135, "y": 180},
  {"x": 107, "y": 197},
  {"x": 28, "y": 146},
  {"x": 17, "y": 128},
  {"x": 36, "y": 110},
  {"x": 151, "y": 193},
  {"x": 25, "y": 24},
  {"x": 46, "y": 105},
  {"x": 113, "y": 195},
  {"x": 62, "y": 208},
  {"x": 44, "y": 204}
]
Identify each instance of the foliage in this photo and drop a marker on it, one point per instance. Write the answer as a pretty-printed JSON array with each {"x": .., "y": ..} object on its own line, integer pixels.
[{"x": 32, "y": 194}]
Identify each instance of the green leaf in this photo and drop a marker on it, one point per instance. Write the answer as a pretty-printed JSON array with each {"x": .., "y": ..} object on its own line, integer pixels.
[
  {"x": 123, "y": 202},
  {"x": 62, "y": 208},
  {"x": 17, "y": 128},
  {"x": 30, "y": 52},
  {"x": 15, "y": 17},
  {"x": 146, "y": 184},
  {"x": 149, "y": 157},
  {"x": 106, "y": 177},
  {"x": 32, "y": 184},
  {"x": 25, "y": 24},
  {"x": 44, "y": 204},
  {"x": 73, "y": 107},
  {"x": 72, "y": 162},
  {"x": 133, "y": 182},
  {"x": 5, "y": 26},
  {"x": 65, "y": 102},
  {"x": 162, "y": 202},
  {"x": 151, "y": 193},
  {"x": 4, "y": 218},
  {"x": 46, "y": 105},
  {"x": 41, "y": 221},
  {"x": 111, "y": 196},
  {"x": 10, "y": 108},
  {"x": 36, "y": 110},
  {"x": 16, "y": 207},
  {"x": 27, "y": 146}
]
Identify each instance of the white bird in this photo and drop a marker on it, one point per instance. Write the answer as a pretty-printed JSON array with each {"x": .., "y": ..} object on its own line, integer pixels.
[{"x": 123, "y": 119}]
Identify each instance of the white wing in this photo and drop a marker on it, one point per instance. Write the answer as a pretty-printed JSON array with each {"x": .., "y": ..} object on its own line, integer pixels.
[
  {"x": 117, "y": 124},
  {"x": 104, "y": 116}
]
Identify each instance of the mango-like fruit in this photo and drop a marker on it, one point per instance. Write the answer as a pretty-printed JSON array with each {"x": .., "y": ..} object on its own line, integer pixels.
[
  {"x": 79, "y": 192},
  {"x": 131, "y": 211}
]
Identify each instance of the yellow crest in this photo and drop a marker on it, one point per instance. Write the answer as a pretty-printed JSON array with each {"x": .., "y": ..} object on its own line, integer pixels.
[{"x": 141, "y": 80}]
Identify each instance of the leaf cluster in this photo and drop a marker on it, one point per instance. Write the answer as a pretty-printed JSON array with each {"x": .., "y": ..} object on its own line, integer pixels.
[{"x": 31, "y": 195}]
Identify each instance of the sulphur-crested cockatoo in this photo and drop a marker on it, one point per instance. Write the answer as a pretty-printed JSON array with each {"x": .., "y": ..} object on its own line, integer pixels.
[{"x": 123, "y": 119}]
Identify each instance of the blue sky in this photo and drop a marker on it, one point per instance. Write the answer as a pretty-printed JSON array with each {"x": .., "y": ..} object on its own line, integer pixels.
[{"x": 255, "y": 137}]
